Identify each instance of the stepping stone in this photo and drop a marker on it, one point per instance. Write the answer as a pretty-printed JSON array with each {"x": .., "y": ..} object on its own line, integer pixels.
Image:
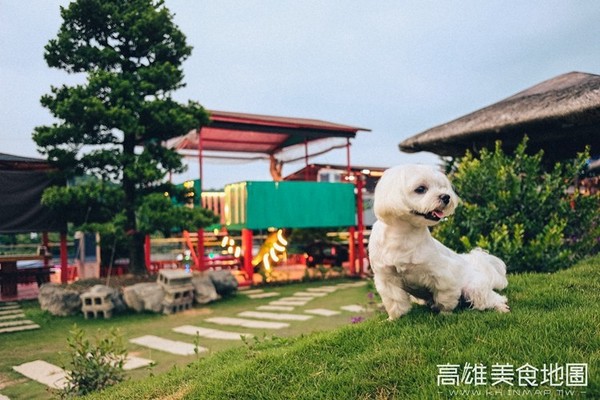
[
  {"x": 287, "y": 303},
  {"x": 353, "y": 308},
  {"x": 19, "y": 328},
  {"x": 16, "y": 322},
  {"x": 44, "y": 373},
  {"x": 323, "y": 312},
  {"x": 167, "y": 345},
  {"x": 311, "y": 294},
  {"x": 351, "y": 285},
  {"x": 10, "y": 312},
  {"x": 297, "y": 298},
  {"x": 132, "y": 362},
  {"x": 11, "y": 316},
  {"x": 275, "y": 316},
  {"x": 247, "y": 323},
  {"x": 326, "y": 289},
  {"x": 3, "y": 397},
  {"x": 252, "y": 291},
  {"x": 10, "y": 307},
  {"x": 275, "y": 308},
  {"x": 263, "y": 295},
  {"x": 209, "y": 333}
]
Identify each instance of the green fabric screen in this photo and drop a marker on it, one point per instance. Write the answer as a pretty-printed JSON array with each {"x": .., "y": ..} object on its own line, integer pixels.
[{"x": 295, "y": 205}]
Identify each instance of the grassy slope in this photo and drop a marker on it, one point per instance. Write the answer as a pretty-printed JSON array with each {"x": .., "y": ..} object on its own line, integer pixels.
[{"x": 555, "y": 319}]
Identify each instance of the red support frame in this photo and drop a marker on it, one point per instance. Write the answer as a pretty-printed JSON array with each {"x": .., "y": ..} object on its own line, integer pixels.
[
  {"x": 247, "y": 249},
  {"x": 64, "y": 258}
]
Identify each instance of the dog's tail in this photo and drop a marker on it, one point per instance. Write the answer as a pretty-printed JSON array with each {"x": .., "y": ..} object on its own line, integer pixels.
[{"x": 496, "y": 266}]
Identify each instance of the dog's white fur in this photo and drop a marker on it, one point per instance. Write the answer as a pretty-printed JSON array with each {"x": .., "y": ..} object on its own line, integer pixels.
[{"x": 407, "y": 260}]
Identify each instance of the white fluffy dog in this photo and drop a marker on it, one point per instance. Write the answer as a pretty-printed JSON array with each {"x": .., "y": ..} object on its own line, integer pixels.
[{"x": 407, "y": 260}]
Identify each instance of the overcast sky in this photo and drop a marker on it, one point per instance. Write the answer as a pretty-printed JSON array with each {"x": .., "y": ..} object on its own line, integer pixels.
[{"x": 395, "y": 67}]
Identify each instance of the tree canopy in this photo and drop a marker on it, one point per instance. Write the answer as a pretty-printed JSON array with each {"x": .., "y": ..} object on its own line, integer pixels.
[{"x": 112, "y": 126}]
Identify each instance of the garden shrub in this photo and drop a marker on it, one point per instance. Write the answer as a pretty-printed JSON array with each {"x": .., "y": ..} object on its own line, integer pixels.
[
  {"x": 520, "y": 210},
  {"x": 94, "y": 366}
]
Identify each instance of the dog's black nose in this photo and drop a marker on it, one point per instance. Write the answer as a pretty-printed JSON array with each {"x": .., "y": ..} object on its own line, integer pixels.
[{"x": 445, "y": 198}]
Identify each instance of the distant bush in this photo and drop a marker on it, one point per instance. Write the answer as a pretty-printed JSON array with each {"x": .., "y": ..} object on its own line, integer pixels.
[
  {"x": 94, "y": 366},
  {"x": 518, "y": 210}
]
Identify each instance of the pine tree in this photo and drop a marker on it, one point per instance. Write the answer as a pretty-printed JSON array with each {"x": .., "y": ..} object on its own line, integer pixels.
[{"x": 112, "y": 126}]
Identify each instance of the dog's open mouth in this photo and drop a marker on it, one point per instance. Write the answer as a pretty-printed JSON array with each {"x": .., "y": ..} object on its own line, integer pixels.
[{"x": 434, "y": 215}]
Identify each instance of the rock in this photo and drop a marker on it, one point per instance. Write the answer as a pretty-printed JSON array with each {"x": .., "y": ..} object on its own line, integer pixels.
[
  {"x": 58, "y": 300},
  {"x": 224, "y": 281},
  {"x": 144, "y": 296},
  {"x": 204, "y": 289}
]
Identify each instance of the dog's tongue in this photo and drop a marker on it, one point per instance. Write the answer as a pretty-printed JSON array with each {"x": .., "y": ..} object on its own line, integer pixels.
[{"x": 438, "y": 214}]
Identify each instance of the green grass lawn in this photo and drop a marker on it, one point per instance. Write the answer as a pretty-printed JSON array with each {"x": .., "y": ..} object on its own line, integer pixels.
[
  {"x": 49, "y": 343},
  {"x": 555, "y": 319}
]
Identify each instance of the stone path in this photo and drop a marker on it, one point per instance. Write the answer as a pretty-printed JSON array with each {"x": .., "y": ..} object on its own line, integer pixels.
[
  {"x": 12, "y": 319},
  {"x": 167, "y": 345},
  {"x": 275, "y": 316},
  {"x": 55, "y": 377},
  {"x": 247, "y": 323},
  {"x": 269, "y": 316},
  {"x": 209, "y": 333}
]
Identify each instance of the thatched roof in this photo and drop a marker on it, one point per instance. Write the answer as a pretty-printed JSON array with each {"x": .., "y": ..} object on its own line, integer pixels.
[{"x": 560, "y": 116}]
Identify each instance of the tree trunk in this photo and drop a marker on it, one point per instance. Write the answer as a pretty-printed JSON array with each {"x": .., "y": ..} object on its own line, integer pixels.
[{"x": 137, "y": 262}]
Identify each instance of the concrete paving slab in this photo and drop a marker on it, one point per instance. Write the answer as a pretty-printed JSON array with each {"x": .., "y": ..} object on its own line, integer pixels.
[
  {"x": 322, "y": 312},
  {"x": 297, "y": 298},
  {"x": 210, "y": 333},
  {"x": 10, "y": 307},
  {"x": 275, "y": 308},
  {"x": 353, "y": 308},
  {"x": 288, "y": 303},
  {"x": 132, "y": 362},
  {"x": 16, "y": 322},
  {"x": 11, "y": 312},
  {"x": 274, "y": 316},
  {"x": 263, "y": 295},
  {"x": 167, "y": 345},
  {"x": 351, "y": 285},
  {"x": 44, "y": 373},
  {"x": 251, "y": 291},
  {"x": 311, "y": 294},
  {"x": 326, "y": 289},
  {"x": 20, "y": 328},
  {"x": 11, "y": 316},
  {"x": 247, "y": 323}
]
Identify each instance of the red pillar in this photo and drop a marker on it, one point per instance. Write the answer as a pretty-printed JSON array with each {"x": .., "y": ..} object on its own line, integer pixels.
[
  {"x": 147, "y": 252},
  {"x": 247, "y": 247},
  {"x": 201, "y": 249},
  {"x": 360, "y": 222},
  {"x": 64, "y": 261},
  {"x": 352, "y": 250},
  {"x": 47, "y": 250}
]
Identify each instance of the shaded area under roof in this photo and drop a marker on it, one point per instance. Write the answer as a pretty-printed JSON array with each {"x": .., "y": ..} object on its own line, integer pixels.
[
  {"x": 561, "y": 116},
  {"x": 22, "y": 182},
  {"x": 263, "y": 134}
]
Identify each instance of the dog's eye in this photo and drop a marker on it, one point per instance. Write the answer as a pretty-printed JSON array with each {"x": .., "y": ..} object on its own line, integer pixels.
[{"x": 421, "y": 190}]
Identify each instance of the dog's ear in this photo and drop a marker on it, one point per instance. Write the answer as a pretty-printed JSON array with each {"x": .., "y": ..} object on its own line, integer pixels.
[{"x": 389, "y": 195}]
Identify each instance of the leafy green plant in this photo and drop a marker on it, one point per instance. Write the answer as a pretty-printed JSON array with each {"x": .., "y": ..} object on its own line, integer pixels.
[
  {"x": 517, "y": 209},
  {"x": 94, "y": 366}
]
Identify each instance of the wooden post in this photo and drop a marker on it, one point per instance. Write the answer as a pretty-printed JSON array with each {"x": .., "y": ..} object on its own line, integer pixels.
[
  {"x": 247, "y": 248},
  {"x": 64, "y": 258},
  {"x": 46, "y": 251}
]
